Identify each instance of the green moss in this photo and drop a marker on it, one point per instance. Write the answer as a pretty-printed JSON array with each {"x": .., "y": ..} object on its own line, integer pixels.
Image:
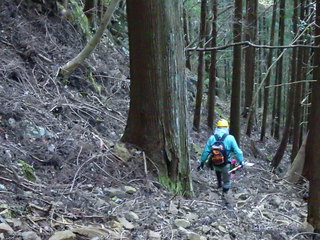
[
  {"x": 27, "y": 171},
  {"x": 177, "y": 187},
  {"x": 78, "y": 17},
  {"x": 96, "y": 86}
]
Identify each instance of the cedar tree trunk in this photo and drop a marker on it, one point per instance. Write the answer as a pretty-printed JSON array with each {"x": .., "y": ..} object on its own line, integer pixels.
[
  {"x": 201, "y": 68},
  {"x": 212, "y": 80},
  {"x": 236, "y": 74},
  {"x": 313, "y": 141},
  {"x": 157, "y": 121},
  {"x": 267, "y": 82}
]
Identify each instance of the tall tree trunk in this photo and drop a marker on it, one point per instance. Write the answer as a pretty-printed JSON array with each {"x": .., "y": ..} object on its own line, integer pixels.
[
  {"x": 267, "y": 81},
  {"x": 226, "y": 76},
  {"x": 297, "y": 107},
  {"x": 70, "y": 66},
  {"x": 186, "y": 37},
  {"x": 313, "y": 141},
  {"x": 201, "y": 68},
  {"x": 279, "y": 69},
  {"x": 207, "y": 61},
  {"x": 308, "y": 54},
  {"x": 262, "y": 53},
  {"x": 250, "y": 53},
  {"x": 295, "y": 18},
  {"x": 305, "y": 92},
  {"x": 285, "y": 137},
  {"x": 212, "y": 80},
  {"x": 158, "y": 106},
  {"x": 236, "y": 73},
  {"x": 297, "y": 103},
  {"x": 274, "y": 108}
]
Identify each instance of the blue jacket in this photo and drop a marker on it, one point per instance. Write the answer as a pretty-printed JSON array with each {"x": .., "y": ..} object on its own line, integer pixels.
[{"x": 230, "y": 145}]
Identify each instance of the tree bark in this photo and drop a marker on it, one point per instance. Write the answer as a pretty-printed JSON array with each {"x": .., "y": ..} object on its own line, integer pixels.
[
  {"x": 262, "y": 56},
  {"x": 267, "y": 81},
  {"x": 249, "y": 35},
  {"x": 294, "y": 60},
  {"x": 70, "y": 66},
  {"x": 212, "y": 80},
  {"x": 186, "y": 38},
  {"x": 298, "y": 96},
  {"x": 313, "y": 141},
  {"x": 157, "y": 120},
  {"x": 236, "y": 73},
  {"x": 290, "y": 104},
  {"x": 201, "y": 68},
  {"x": 279, "y": 69},
  {"x": 250, "y": 54},
  {"x": 305, "y": 92},
  {"x": 285, "y": 137}
]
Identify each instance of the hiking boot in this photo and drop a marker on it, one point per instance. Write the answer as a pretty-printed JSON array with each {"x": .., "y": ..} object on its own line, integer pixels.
[
  {"x": 226, "y": 196},
  {"x": 218, "y": 174},
  {"x": 225, "y": 193}
]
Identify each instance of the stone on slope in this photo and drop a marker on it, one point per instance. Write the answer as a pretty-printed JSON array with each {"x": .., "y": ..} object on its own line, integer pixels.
[
  {"x": 6, "y": 229},
  {"x": 130, "y": 190},
  {"x": 222, "y": 229},
  {"x": 191, "y": 217},
  {"x": 114, "y": 192},
  {"x": 30, "y": 236},
  {"x": 122, "y": 152},
  {"x": 154, "y": 235},
  {"x": 15, "y": 222},
  {"x": 131, "y": 216},
  {"x": 182, "y": 223},
  {"x": 63, "y": 235},
  {"x": 126, "y": 224},
  {"x": 206, "y": 229},
  {"x": 91, "y": 232},
  {"x": 193, "y": 236},
  {"x": 226, "y": 237},
  {"x": 173, "y": 208}
]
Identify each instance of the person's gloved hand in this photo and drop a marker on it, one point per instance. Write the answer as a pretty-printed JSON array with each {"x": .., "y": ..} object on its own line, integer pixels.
[
  {"x": 241, "y": 164},
  {"x": 200, "y": 166}
]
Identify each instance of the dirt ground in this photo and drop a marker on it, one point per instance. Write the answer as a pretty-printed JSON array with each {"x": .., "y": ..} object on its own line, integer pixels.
[{"x": 62, "y": 166}]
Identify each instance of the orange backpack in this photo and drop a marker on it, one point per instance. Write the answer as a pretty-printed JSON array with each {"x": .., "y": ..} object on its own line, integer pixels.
[{"x": 218, "y": 152}]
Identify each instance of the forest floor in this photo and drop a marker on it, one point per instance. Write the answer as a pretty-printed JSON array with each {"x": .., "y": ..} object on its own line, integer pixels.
[{"x": 63, "y": 171}]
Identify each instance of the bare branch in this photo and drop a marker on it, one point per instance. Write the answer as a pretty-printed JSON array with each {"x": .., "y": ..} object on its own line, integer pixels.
[
  {"x": 247, "y": 43},
  {"x": 66, "y": 69},
  {"x": 290, "y": 83}
]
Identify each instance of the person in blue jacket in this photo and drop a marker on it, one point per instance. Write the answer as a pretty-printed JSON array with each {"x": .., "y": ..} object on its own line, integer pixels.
[{"x": 231, "y": 147}]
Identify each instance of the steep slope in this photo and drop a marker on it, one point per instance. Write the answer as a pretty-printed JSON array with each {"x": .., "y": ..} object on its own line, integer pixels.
[{"x": 62, "y": 168}]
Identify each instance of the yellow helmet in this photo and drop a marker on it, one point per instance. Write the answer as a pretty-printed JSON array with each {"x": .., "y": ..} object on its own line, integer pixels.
[{"x": 222, "y": 123}]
